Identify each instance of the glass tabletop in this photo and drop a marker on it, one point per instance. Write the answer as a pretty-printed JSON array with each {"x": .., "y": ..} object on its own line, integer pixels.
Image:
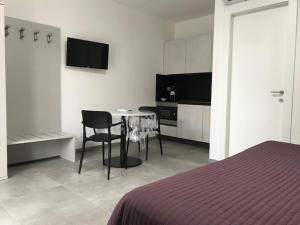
[{"x": 134, "y": 113}]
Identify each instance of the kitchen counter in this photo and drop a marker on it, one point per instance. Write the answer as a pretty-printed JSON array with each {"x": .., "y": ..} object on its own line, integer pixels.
[
  {"x": 182, "y": 102},
  {"x": 188, "y": 102}
]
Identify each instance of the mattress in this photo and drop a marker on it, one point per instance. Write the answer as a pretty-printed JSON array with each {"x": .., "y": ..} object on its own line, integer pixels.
[{"x": 260, "y": 186}]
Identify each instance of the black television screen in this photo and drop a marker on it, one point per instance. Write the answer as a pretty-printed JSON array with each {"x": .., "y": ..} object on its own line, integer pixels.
[
  {"x": 81, "y": 53},
  {"x": 98, "y": 55},
  {"x": 77, "y": 53}
]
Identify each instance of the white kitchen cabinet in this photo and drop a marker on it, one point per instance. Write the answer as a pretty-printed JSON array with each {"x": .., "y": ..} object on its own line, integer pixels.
[
  {"x": 199, "y": 54},
  {"x": 206, "y": 124},
  {"x": 3, "y": 135},
  {"x": 190, "y": 122},
  {"x": 174, "y": 57},
  {"x": 168, "y": 130},
  {"x": 192, "y": 55},
  {"x": 193, "y": 123}
]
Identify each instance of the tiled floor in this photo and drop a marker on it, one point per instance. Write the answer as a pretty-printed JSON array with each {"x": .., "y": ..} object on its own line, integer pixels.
[{"x": 52, "y": 193}]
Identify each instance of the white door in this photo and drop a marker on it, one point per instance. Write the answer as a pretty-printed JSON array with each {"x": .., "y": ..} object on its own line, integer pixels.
[{"x": 259, "y": 66}]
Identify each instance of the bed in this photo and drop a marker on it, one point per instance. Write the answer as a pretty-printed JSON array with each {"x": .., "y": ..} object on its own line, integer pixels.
[{"x": 259, "y": 186}]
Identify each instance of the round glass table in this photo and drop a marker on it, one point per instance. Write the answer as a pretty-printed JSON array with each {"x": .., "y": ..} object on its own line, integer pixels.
[{"x": 120, "y": 161}]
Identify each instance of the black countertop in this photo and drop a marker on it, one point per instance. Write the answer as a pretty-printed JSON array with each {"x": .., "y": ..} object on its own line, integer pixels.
[{"x": 187, "y": 102}]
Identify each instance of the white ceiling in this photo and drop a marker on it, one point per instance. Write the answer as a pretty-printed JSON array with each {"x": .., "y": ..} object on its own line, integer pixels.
[{"x": 172, "y": 10}]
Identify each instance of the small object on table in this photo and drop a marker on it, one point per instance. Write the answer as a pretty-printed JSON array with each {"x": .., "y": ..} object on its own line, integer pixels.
[{"x": 124, "y": 110}]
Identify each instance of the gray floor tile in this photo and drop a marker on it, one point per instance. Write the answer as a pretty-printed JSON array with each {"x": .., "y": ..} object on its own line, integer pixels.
[
  {"x": 51, "y": 192},
  {"x": 57, "y": 201},
  {"x": 6, "y": 219}
]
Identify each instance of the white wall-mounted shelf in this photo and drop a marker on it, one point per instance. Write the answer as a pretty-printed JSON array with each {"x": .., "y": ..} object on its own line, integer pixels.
[
  {"x": 33, "y": 138},
  {"x": 44, "y": 145},
  {"x": 34, "y": 132}
]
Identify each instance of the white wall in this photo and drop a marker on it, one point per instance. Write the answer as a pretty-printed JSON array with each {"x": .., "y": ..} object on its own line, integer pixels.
[
  {"x": 136, "y": 53},
  {"x": 194, "y": 27},
  {"x": 219, "y": 87},
  {"x": 3, "y": 135},
  {"x": 296, "y": 105}
]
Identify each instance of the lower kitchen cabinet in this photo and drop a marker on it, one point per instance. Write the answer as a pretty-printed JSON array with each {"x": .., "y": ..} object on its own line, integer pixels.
[
  {"x": 193, "y": 123},
  {"x": 168, "y": 130},
  {"x": 190, "y": 122},
  {"x": 206, "y": 124}
]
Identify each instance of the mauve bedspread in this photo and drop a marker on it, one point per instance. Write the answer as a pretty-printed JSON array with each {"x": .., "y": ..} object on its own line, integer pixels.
[{"x": 260, "y": 186}]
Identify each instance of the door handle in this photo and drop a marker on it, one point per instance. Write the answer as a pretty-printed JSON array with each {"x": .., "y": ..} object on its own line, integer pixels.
[{"x": 277, "y": 93}]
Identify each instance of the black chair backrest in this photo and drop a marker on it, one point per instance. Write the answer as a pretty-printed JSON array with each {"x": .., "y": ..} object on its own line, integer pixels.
[
  {"x": 96, "y": 120},
  {"x": 151, "y": 109}
]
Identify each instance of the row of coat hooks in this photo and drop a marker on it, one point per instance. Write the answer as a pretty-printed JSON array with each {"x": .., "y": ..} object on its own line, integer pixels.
[{"x": 22, "y": 34}]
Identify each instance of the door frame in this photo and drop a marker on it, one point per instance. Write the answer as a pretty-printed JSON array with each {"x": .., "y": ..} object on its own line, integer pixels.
[{"x": 250, "y": 7}]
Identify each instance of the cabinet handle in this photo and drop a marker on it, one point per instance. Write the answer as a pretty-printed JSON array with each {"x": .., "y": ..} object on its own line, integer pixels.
[{"x": 277, "y": 93}]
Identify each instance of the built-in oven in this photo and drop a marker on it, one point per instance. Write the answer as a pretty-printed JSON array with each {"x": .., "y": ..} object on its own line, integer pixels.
[{"x": 168, "y": 113}]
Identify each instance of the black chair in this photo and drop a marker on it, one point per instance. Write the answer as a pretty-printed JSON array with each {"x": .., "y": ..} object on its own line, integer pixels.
[
  {"x": 157, "y": 112},
  {"x": 99, "y": 120}
]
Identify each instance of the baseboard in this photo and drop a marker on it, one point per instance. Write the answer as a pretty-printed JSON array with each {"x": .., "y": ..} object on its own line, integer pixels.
[
  {"x": 92, "y": 148},
  {"x": 185, "y": 141},
  {"x": 212, "y": 160},
  {"x": 3, "y": 178},
  {"x": 32, "y": 161},
  {"x": 96, "y": 147}
]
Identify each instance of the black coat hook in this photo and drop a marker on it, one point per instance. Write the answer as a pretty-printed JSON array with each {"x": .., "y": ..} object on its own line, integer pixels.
[
  {"x": 7, "y": 30},
  {"x": 36, "y": 36},
  {"x": 49, "y": 38},
  {"x": 22, "y": 33}
]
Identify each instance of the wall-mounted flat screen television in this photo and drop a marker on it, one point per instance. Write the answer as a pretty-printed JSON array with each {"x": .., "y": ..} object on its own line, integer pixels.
[{"x": 82, "y": 53}]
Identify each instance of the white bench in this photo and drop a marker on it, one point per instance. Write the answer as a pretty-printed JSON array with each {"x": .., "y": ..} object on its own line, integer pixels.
[{"x": 22, "y": 148}]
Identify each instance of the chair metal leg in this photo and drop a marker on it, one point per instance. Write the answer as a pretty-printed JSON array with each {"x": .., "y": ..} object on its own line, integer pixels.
[
  {"x": 139, "y": 143},
  {"x": 147, "y": 147},
  {"x": 159, "y": 138},
  {"x": 127, "y": 145},
  {"x": 127, "y": 148},
  {"x": 103, "y": 153},
  {"x": 82, "y": 155},
  {"x": 109, "y": 160}
]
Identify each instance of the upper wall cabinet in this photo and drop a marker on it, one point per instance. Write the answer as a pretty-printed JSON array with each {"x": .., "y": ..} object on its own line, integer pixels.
[
  {"x": 174, "y": 57},
  {"x": 189, "y": 56},
  {"x": 199, "y": 54}
]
